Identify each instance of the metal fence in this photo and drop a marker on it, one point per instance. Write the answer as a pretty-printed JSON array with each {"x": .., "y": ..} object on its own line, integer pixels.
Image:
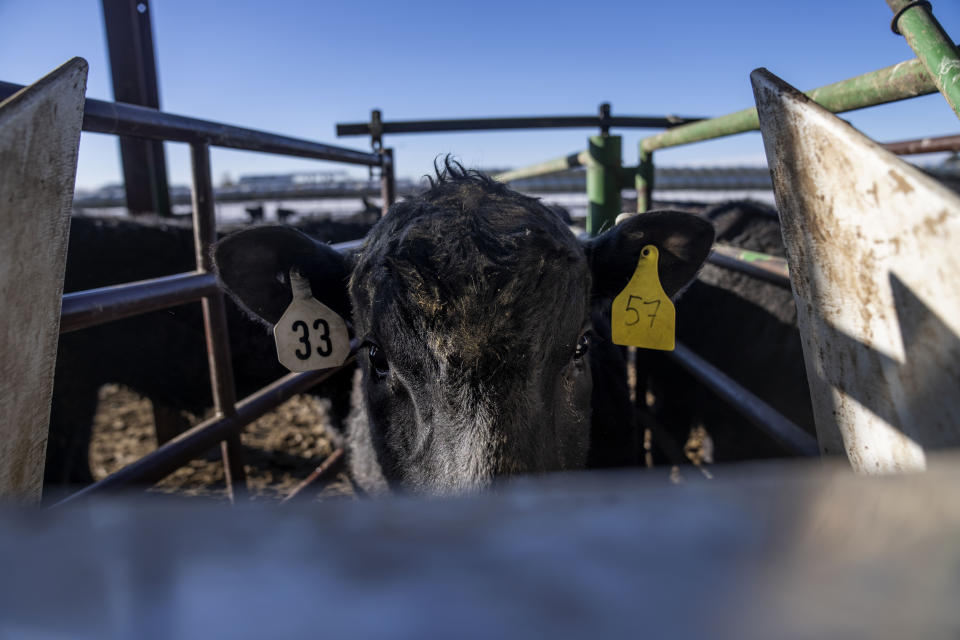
[
  {"x": 606, "y": 176},
  {"x": 98, "y": 306}
]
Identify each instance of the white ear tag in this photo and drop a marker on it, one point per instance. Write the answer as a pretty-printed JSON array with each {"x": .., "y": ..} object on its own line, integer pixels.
[{"x": 309, "y": 334}]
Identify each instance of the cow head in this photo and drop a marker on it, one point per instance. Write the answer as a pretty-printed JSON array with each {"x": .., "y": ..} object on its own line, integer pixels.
[{"x": 472, "y": 305}]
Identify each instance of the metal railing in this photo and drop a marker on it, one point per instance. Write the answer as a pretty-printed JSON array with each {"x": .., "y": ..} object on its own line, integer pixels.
[
  {"x": 936, "y": 68},
  {"x": 605, "y": 178},
  {"x": 98, "y": 306}
]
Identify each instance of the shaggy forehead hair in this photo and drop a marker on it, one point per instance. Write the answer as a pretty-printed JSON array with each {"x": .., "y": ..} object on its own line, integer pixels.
[{"x": 472, "y": 263}]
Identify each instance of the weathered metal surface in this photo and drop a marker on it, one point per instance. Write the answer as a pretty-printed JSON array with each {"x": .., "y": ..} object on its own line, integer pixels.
[
  {"x": 39, "y": 138},
  {"x": 872, "y": 245},
  {"x": 786, "y": 551},
  {"x": 933, "y": 48},
  {"x": 134, "y": 72},
  {"x": 923, "y": 145},
  {"x": 904, "y": 80},
  {"x": 761, "y": 265},
  {"x": 130, "y": 120},
  {"x": 578, "y": 159},
  {"x": 603, "y": 183},
  {"x": 488, "y": 124},
  {"x": 759, "y": 413}
]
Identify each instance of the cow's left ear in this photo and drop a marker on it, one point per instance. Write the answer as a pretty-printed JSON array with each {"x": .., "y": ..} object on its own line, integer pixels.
[
  {"x": 254, "y": 267},
  {"x": 682, "y": 239}
]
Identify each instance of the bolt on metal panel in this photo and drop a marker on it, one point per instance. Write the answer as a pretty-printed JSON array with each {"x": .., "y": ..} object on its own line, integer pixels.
[{"x": 871, "y": 243}]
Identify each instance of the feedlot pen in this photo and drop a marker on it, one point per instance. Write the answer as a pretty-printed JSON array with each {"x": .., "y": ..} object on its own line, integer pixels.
[{"x": 794, "y": 128}]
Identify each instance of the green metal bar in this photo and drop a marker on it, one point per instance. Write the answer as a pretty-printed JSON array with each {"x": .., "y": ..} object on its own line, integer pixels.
[
  {"x": 603, "y": 183},
  {"x": 933, "y": 48},
  {"x": 643, "y": 180},
  {"x": 578, "y": 159},
  {"x": 904, "y": 80}
]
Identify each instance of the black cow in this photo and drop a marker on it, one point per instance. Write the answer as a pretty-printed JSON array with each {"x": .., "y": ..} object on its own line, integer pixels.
[{"x": 484, "y": 328}]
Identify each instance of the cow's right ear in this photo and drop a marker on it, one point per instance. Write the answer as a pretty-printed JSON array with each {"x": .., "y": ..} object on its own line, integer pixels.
[{"x": 254, "y": 267}]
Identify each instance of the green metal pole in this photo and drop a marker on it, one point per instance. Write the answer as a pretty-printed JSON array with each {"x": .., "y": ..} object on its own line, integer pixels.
[
  {"x": 603, "y": 183},
  {"x": 644, "y": 181},
  {"x": 904, "y": 80},
  {"x": 933, "y": 48}
]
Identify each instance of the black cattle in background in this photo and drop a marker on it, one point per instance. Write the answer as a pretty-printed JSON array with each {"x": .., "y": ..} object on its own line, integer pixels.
[
  {"x": 162, "y": 354},
  {"x": 747, "y": 328}
]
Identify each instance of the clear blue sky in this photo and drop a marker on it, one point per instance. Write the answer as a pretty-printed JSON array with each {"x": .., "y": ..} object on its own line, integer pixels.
[{"x": 298, "y": 68}]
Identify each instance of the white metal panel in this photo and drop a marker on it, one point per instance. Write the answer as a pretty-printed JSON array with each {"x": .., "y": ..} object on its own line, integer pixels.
[
  {"x": 874, "y": 250},
  {"x": 39, "y": 136}
]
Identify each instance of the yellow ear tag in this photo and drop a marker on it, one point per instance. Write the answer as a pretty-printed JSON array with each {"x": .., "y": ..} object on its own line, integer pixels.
[
  {"x": 310, "y": 335},
  {"x": 642, "y": 314}
]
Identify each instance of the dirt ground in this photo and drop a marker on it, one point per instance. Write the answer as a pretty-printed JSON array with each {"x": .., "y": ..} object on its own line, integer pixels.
[{"x": 280, "y": 449}]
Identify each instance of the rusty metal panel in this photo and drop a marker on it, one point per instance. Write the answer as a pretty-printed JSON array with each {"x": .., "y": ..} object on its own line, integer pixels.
[
  {"x": 872, "y": 246},
  {"x": 39, "y": 138}
]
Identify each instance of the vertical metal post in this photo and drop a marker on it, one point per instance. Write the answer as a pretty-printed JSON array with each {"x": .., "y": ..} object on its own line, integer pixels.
[
  {"x": 134, "y": 71},
  {"x": 644, "y": 180},
  {"x": 603, "y": 183},
  {"x": 931, "y": 44},
  {"x": 376, "y": 129},
  {"x": 214, "y": 316},
  {"x": 388, "y": 188}
]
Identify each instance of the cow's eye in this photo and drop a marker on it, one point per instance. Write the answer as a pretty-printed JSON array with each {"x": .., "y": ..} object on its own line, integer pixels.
[
  {"x": 583, "y": 345},
  {"x": 378, "y": 361}
]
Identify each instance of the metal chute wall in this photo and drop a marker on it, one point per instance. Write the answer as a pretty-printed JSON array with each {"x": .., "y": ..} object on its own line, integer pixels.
[{"x": 872, "y": 246}]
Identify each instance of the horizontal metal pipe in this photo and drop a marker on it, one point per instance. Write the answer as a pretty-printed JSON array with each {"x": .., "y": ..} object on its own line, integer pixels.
[
  {"x": 579, "y": 159},
  {"x": 933, "y": 47},
  {"x": 904, "y": 80},
  {"x": 487, "y": 124},
  {"x": 760, "y": 265},
  {"x": 166, "y": 459},
  {"x": 141, "y": 122},
  {"x": 923, "y": 145},
  {"x": 82, "y": 309},
  {"x": 765, "y": 417}
]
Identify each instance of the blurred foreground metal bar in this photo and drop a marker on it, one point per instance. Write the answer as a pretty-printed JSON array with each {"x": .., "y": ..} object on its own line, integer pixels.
[
  {"x": 760, "y": 265},
  {"x": 923, "y": 145},
  {"x": 930, "y": 42},
  {"x": 131, "y": 120},
  {"x": 762, "y": 415},
  {"x": 488, "y": 124},
  {"x": 166, "y": 459},
  {"x": 215, "y": 318},
  {"x": 904, "y": 80}
]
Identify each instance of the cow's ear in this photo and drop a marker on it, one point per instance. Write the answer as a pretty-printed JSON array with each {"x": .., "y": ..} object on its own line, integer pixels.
[
  {"x": 682, "y": 239},
  {"x": 254, "y": 267}
]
